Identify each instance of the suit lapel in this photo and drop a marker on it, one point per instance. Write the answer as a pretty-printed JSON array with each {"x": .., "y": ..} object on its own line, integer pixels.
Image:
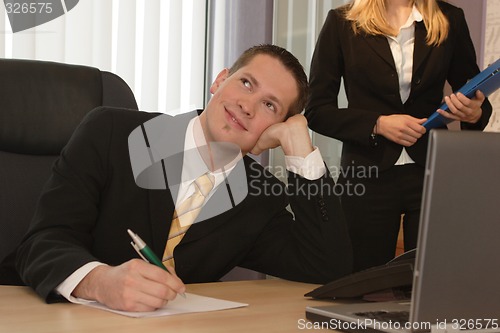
[
  {"x": 199, "y": 230},
  {"x": 161, "y": 206},
  {"x": 421, "y": 49},
  {"x": 380, "y": 46}
]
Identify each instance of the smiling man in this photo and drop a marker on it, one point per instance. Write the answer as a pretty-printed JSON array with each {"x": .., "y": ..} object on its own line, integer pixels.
[
  {"x": 249, "y": 99},
  {"x": 78, "y": 246}
]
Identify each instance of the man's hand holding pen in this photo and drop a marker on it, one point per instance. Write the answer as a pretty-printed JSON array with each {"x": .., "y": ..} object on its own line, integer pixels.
[{"x": 132, "y": 286}]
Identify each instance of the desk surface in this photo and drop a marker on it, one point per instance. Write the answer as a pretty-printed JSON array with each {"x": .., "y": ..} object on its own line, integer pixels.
[{"x": 274, "y": 306}]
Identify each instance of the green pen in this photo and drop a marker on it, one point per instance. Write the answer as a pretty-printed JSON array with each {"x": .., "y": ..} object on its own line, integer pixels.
[{"x": 146, "y": 253}]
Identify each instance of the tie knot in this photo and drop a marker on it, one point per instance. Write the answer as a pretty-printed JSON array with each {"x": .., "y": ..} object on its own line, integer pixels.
[{"x": 205, "y": 183}]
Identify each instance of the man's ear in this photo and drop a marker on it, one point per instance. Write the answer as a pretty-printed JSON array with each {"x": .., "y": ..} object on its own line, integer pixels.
[{"x": 218, "y": 80}]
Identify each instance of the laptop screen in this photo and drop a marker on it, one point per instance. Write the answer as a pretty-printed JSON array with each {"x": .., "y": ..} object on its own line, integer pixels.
[{"x": 457, "y": 269}]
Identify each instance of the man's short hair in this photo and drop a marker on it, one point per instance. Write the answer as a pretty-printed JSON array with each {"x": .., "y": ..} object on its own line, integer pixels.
[{"x": 289, "y": 61}]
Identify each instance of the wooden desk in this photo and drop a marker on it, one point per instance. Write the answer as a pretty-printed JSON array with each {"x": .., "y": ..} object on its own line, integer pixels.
[{"x": 274, "y": 306}]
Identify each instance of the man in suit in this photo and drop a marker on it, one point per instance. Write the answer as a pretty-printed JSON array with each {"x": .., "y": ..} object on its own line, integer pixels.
[{"x": 77, "y": 245}]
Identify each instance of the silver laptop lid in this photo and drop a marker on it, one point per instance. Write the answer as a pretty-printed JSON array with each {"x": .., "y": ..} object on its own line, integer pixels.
[{"x": 457, "y": 273}]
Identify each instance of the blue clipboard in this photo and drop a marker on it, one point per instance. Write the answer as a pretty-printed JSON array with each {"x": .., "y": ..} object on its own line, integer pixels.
[{"x": 486, "y": 81}]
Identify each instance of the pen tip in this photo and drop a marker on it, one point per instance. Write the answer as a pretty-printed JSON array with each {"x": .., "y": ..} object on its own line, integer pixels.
[{"x": 130, "y": 232}]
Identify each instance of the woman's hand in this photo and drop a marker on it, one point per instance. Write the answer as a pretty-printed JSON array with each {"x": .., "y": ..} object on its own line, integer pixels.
[
  {"x": 463, "y": 108},
  {"x": 400, "y": 128}
]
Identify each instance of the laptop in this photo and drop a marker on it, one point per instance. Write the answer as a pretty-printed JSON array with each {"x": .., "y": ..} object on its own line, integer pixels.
[{"x": 456, "y": 282}]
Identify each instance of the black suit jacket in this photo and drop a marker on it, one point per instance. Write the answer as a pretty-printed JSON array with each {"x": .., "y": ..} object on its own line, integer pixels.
[
  {"x": 366, "y": 65},
  {"x": 91, "y": 199}
]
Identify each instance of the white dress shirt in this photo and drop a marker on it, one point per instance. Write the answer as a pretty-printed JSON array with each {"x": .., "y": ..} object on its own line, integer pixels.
[
  {"x": 311, "y": 167},
  {"x": 402, "y": 51}
]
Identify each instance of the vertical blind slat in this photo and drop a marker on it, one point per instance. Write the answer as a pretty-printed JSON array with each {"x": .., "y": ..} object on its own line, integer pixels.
[{"x": 150, "y": 55}]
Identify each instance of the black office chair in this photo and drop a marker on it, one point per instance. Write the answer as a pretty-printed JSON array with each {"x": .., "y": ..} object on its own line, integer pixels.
[{"x": 41, "y": 103}]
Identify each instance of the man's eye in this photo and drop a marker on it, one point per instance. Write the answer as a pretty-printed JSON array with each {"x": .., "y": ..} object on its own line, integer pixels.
[
  {"x": 270, "y": 106},
  {"x": 246, "y": 83}
]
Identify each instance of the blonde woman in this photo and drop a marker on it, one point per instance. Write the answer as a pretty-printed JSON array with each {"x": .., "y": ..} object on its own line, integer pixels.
[{"x": 394, "y": 57}]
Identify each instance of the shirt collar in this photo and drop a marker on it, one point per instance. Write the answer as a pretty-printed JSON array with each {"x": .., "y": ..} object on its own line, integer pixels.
[{"x": 415, "y": 16}]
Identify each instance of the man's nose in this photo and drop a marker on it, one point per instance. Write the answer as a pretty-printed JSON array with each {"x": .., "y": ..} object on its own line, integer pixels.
[{"x": 248, "y": 105}]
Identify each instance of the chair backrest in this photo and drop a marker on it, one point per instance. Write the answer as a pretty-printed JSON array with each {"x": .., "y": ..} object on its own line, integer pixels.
[{"x": 41, "y": 103}]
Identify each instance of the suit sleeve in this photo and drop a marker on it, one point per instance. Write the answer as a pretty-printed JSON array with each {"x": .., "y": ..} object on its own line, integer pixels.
[
  {"x": 463, "y": 66},
  {"x": 59, "y": 238},
  {"x": 313, "y": 244},
  {"x": 327, "y": 69}
]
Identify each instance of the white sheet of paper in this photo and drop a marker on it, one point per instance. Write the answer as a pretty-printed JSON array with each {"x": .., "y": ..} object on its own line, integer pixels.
[{"x": 192, "y": 303}]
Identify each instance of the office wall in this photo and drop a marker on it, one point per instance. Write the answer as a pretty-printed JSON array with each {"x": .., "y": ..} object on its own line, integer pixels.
[{"x": 492, "y": 53}]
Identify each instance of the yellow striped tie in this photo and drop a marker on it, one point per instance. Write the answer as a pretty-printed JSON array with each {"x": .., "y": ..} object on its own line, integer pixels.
[{"x": 185, "y": 214}]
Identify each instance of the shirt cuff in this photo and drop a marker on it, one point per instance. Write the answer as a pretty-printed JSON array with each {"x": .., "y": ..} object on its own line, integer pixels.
[
  {"x": 67, "y": 286},
  {"x": 310, "y": 167}
]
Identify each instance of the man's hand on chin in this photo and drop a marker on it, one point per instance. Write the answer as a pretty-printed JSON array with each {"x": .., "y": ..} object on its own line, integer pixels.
[{"x": 292, "y": 135}]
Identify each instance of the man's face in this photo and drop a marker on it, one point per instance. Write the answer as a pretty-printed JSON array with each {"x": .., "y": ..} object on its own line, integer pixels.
[{"x": 246, "y": 103}]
